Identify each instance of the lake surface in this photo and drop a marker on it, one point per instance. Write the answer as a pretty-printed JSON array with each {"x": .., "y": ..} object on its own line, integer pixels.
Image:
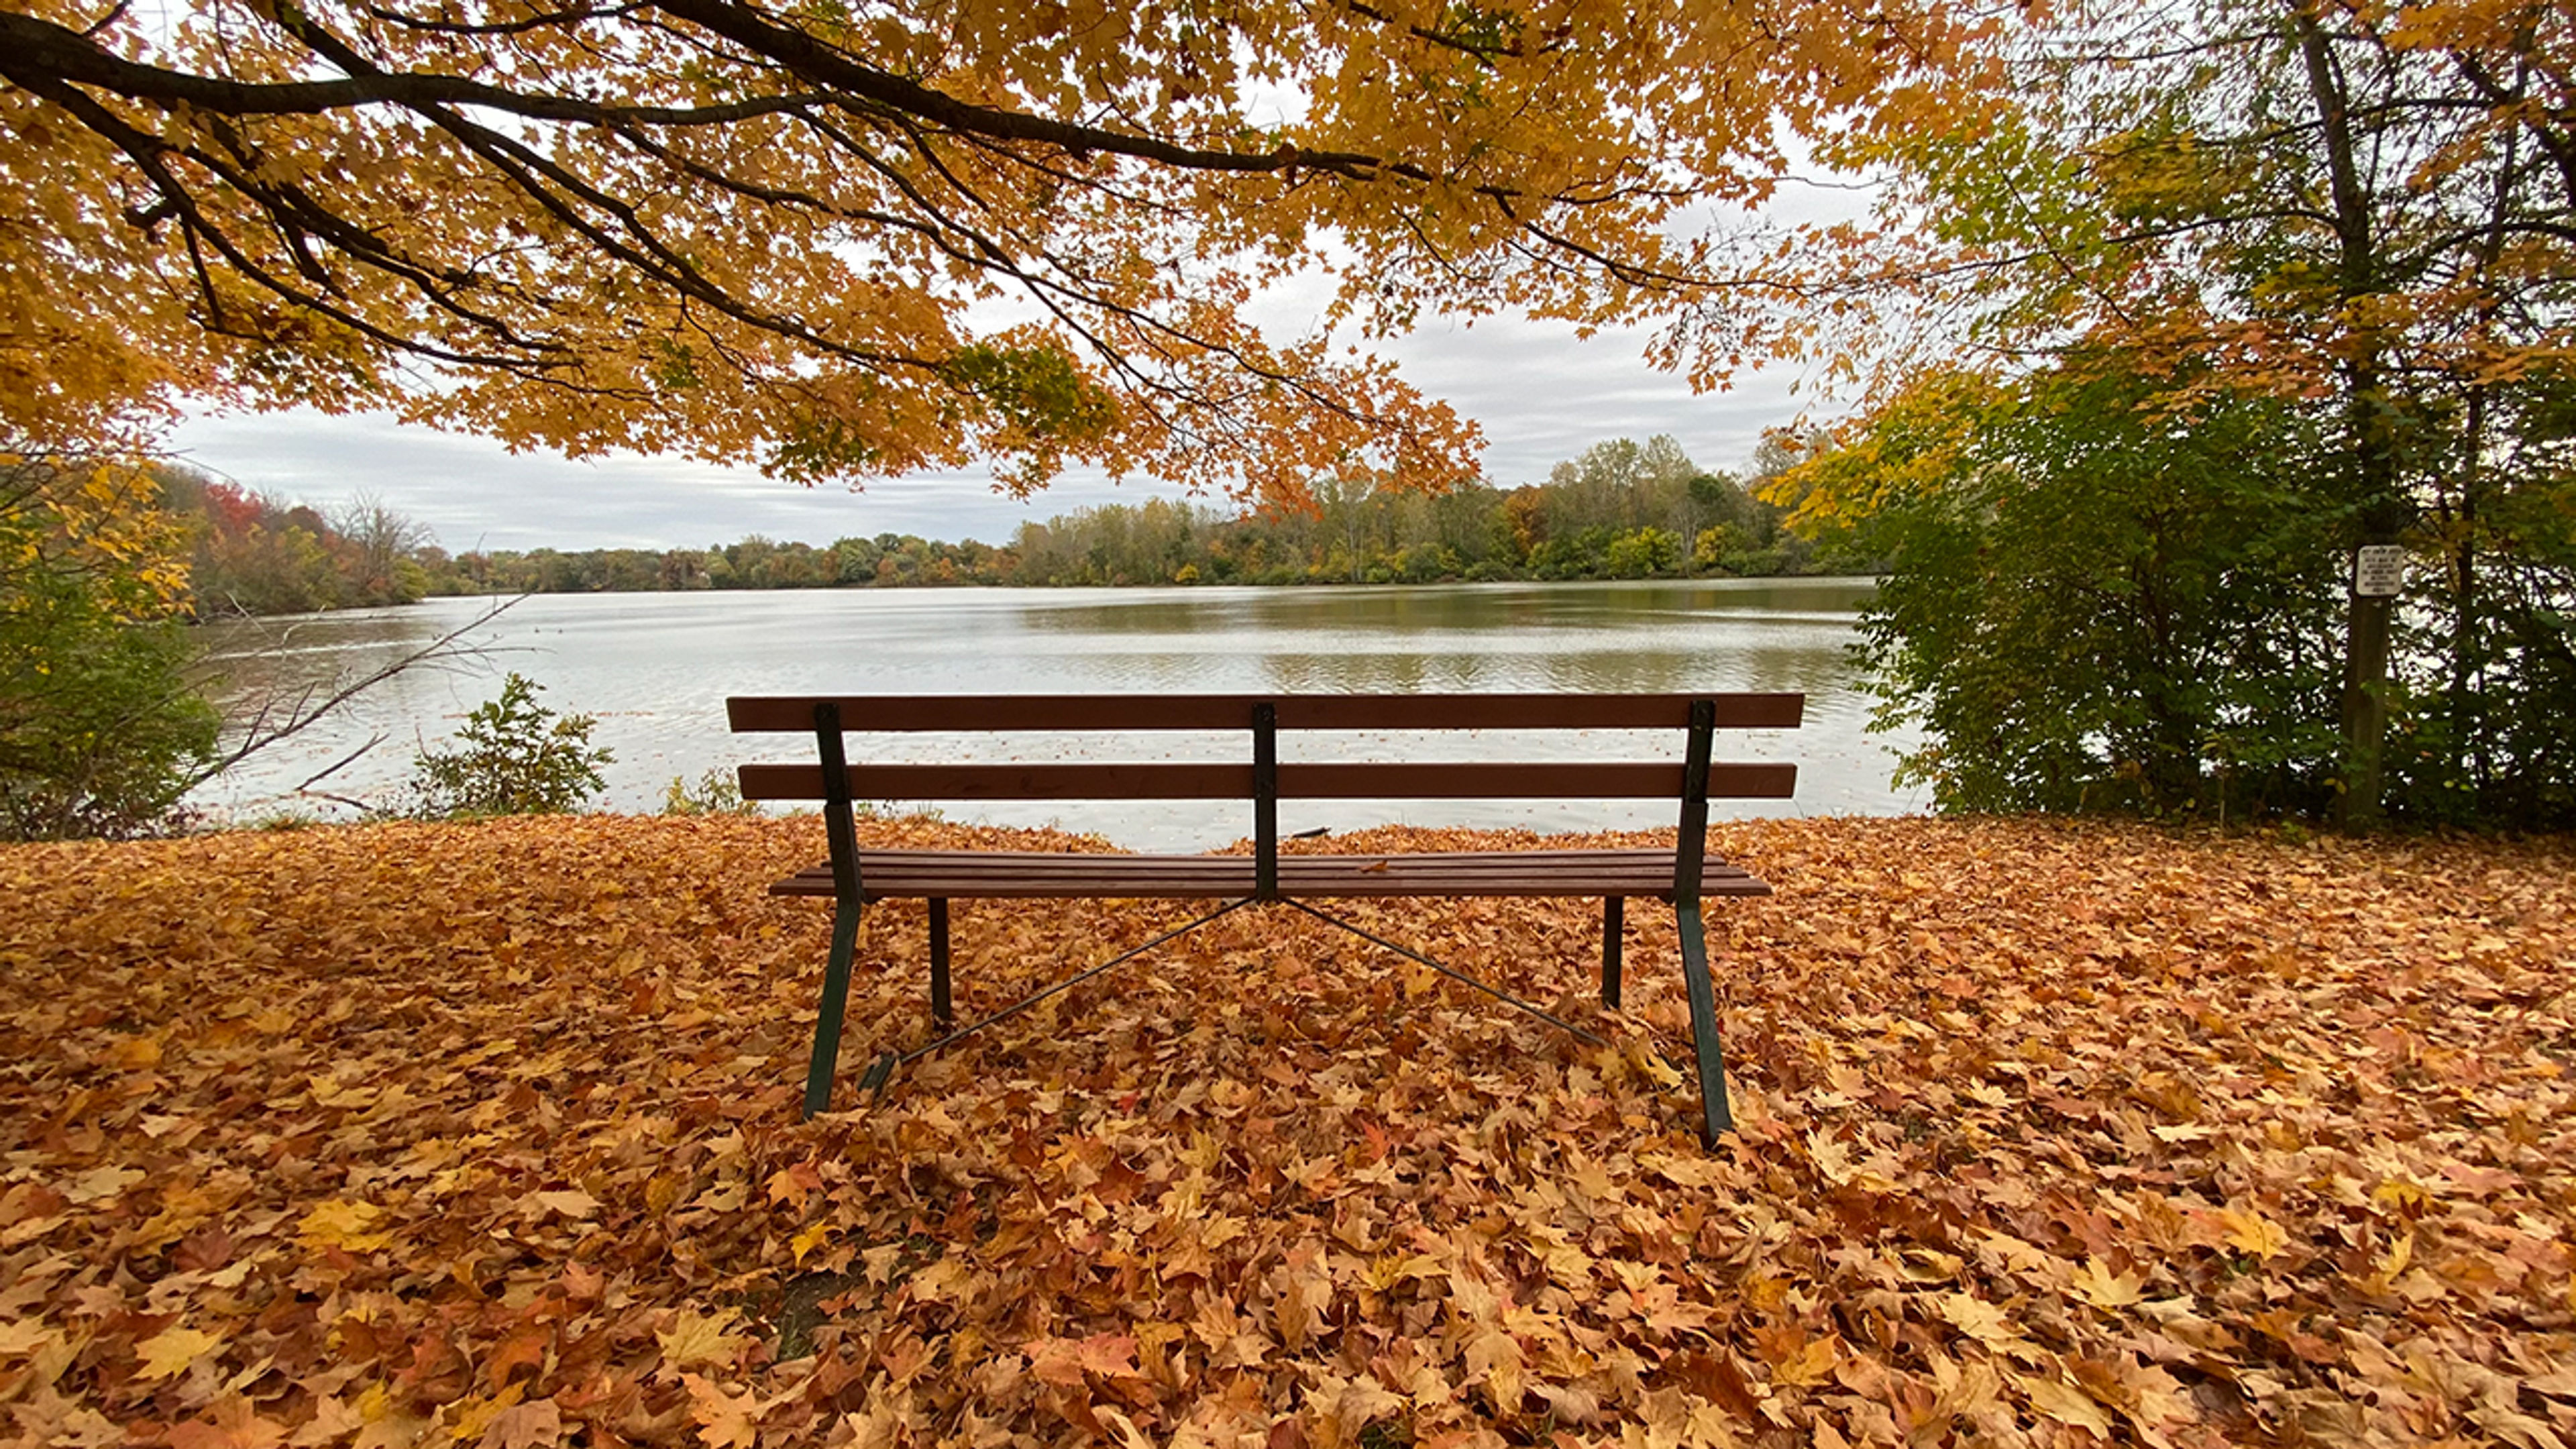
[{"x": 655, "y": 670}]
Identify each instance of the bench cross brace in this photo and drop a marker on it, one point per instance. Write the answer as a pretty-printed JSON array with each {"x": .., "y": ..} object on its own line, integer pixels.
[
  {"x": 882, "y": 1069},
  {"x": 1716, "y": 1118},
  {"x": 1462, "y": 977}
]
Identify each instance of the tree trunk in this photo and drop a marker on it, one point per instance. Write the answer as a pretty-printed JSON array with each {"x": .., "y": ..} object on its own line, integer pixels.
[{"x": 2373, "y": 451}]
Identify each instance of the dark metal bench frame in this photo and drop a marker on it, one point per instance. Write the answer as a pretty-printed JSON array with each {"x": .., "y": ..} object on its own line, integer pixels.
[{"x": 836, "y": 783}]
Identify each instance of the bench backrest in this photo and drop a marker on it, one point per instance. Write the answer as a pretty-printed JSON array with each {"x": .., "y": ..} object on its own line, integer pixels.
[
  {"x": 1263, "y": 780},
  {"x": 1373, "y": 780}
]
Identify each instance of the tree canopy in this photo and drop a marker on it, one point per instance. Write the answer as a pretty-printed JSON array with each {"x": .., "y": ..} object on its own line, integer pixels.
[{"x": 863, "y": 240}]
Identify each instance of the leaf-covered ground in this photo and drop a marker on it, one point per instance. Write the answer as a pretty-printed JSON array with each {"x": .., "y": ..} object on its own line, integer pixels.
[{"x": 487, "y": 1135}]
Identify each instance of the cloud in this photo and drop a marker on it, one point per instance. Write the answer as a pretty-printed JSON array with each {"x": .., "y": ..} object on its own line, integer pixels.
[
  {"x": 1541, "y": 394},
  {"x": 1544, "y": 395}
]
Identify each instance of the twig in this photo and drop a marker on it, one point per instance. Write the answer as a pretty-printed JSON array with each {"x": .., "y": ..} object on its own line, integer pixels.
[{"x": 302, "y": 715}]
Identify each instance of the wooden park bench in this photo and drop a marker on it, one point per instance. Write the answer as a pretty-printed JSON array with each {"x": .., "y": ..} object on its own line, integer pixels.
[{"x": 1684, "y": 875}]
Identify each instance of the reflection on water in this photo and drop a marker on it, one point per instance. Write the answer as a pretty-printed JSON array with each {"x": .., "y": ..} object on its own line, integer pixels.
[{"x": 655, "y": 669}]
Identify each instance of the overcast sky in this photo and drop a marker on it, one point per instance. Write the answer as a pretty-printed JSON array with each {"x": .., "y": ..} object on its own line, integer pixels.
[{"x": 1542, "y": 396}]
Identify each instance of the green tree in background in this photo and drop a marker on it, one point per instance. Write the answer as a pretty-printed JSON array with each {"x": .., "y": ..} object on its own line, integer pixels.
[
  {"x": 2358, "y": 216},
  {"x": 2089, "y": 605},
  {"x": 256, "y": 554},
  {"x": 1623, "y": 509}
]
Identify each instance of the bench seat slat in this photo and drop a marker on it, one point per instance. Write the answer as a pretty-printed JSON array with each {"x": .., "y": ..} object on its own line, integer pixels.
[
  {"x": 1430, "y": 780},
  {"x": 983, "y": 714},
  {"x": 1024, "y": 875}
]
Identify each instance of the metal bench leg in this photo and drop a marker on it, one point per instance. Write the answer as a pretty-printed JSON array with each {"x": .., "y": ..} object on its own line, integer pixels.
[
  {"x": 940, "y": 1015},
  {"x": 1614, "y": 920},
  {"x": 1716, "y": 1117},
  {"x": 835, "y": 1005}
]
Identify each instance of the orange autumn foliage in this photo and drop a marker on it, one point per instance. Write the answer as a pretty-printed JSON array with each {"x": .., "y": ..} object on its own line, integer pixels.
[
  {"x": 860, "y": 242},
  {"x": 2052, "y": 1134}
]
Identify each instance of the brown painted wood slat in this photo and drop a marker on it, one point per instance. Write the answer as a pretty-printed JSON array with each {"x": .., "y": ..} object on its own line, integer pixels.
[
  {"x": 990, "y": 875},
  {"x": 1016, "y": 860},
  {"x": 1121, "y": 712},
  {"x": 1012, "y": 865},
  {"x": 1006, "y": 782},
  {"x": 1473, "y": 780}
]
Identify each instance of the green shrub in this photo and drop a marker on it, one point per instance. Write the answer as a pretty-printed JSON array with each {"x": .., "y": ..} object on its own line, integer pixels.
[
  {"x": 517, "y": 758},
  {"x": 714, "y": 794},
  {"x": 101, "y": 732}
]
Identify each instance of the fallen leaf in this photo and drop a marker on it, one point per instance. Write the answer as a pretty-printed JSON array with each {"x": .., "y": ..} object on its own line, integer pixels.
[
  {"x": 346, "y": 1225},
  {"x": 2067, "y": 1405},
  {"x": 170, "y": 1351},
  {"x": 537, "y": 1425},
  {"x": 569, "y": 1202},
  {"x": 691, "y": 1339}
]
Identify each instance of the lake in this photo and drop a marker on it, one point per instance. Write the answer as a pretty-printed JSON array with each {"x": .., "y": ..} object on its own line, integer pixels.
[{"x": 655, "y": 670}]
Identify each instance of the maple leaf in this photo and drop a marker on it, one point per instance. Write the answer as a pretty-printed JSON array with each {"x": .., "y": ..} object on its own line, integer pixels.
[
  {"x": 2401, "y": 1196},
  {"x": 537, "y": 1425},
  {"x": 86, "y": 1429},
  {"x": 724, "y": 1420},
  {"x": 20, "y": 1338},
  {"x": 812, "y": 1236},
  {"x": 1064, "y": 1361},
  {"x": 137, "y": 1052},
  {"x": 2254, "y": 1233},
  {"x": 1494, "y": 1358},
  {"x": 236, "y": 1424},
  {"x": 2104, "y": 1289},
  {"x": 1352, "y": 1404},
  {"x": 1305, "y": 1293},
  {"x": 1111, "y": 1355},
  {"x": 1812, "y": 1364},
  {"x": 101, "y": 1182},
  {"x": 344, "y": 1224},
  {"x": 525, "y": 1349},
  {"x": 570, "y": 1202},
  {"x": 334, "y": 1419},
  {"x": 793, "y": 1184},
  {"x": 2067, "y": 1405},
  {"x": 171, "y": 1350},
  {"x": 1978, "y": 1319},
  {"x": 1055, "y": 1361},
  {"x": 691, "y": 1338}
]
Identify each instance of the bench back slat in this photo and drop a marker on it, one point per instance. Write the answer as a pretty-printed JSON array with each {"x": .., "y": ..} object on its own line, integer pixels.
[
  {"x": 981, "y": 714},
  {"x": 1445, "y": 780}
]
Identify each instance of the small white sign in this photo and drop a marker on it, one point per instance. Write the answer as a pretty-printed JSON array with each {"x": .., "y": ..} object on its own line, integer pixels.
[{"x": 2379, "y": 570}]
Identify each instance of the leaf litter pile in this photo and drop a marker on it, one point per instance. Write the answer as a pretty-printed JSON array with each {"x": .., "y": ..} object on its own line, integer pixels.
[{"x": 487, "y": 1135}]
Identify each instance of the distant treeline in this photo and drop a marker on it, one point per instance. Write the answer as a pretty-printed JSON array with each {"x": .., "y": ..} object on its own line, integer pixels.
[
  {"x": 257, "y": 554},
  {"x": 1624, "y": 510}
]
